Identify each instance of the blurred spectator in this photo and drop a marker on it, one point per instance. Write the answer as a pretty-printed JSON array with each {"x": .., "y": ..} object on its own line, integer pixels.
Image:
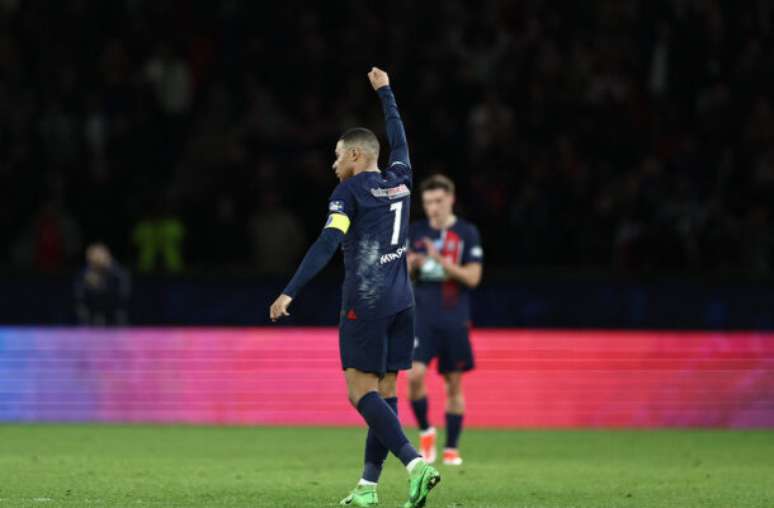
[
  {"x": 171, "y": 79},
  {"x": 276, "y": 236},
  {"x": 51, "y": 242},
  {"x": 158, "y": 238},
  {"x": 221, "y": 235},
  {"x": 609, "y": 134},
  {"x": 102, "y": 290},
  {"x": 490, "y": 125}
]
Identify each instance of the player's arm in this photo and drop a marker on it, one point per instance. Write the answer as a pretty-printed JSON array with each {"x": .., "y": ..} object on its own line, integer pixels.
[
  {"x": 468, "y": 274},
  {"x": 341, "y": 207},
  {"x": 470, "y": 271},
  {"x": 318, "y": 255},
  {"x": 396, "y": 134}
]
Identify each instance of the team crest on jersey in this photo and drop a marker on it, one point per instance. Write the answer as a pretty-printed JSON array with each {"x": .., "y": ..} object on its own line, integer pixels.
[
  {"x": 336, "y": 206},
  {"x": 392, "y": 193}
]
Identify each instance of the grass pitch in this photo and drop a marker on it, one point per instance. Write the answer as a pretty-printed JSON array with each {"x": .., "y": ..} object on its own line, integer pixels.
[{"x": 174, "y": 466}]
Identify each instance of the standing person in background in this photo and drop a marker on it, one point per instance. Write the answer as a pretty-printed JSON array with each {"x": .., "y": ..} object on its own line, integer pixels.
[
  {"x": 446, "y": 261},
  {"x": 102, "y": 290}
]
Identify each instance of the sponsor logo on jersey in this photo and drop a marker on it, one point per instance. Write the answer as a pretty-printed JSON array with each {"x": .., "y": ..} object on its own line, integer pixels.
[
  {"x": 392, "y": 193},
  {"x": 476, "y": 251},
  {"x": 392, "y": 256},
  {"x": 336, "y": 206}
]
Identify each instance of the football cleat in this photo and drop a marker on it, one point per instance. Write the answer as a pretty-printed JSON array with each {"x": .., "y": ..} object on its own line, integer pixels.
[
  {"x": 427, "y": 445},
  {"x": 451, "y": 457},
  {"x": 421, "y": 481},
  {"x": 361, "y": 496}
]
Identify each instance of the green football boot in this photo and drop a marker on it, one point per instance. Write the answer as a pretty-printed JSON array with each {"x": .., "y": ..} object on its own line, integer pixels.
[
  {"x": 362, "y": 495},
  {"x": 421, "y": 480}
]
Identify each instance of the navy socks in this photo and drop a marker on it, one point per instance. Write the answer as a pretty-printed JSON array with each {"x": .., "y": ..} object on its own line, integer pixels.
[
  {"x": 419, "y": 407},
  {"x": 375, "y": 451},
  {"x": 453, "y": 430},
  {"x": 384, "y": 423}
]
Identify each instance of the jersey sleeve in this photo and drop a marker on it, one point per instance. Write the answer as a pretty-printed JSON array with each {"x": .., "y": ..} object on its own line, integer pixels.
[
  {"x": 318, "y": 255},
  {"x": 399, "y": 162},
  {"x": 473, "y": 252},
  {"x": 341, "y": 208}
]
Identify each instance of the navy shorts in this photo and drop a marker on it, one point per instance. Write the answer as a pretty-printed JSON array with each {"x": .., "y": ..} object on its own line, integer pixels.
[
  {"x": 377, "y": 345},
  {"x": 447, "y": 340}
]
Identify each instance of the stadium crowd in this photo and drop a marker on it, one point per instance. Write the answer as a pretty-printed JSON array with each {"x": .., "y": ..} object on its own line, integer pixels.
[{"x": 633, "y": 135}]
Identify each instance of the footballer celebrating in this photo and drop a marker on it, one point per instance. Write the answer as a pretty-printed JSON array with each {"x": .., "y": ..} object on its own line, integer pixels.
[
  {"x": 368, "y": 216},
  {"x": 446, "y": 260}
]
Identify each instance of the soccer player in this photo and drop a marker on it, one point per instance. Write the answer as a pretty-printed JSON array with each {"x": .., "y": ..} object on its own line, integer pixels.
[
  {"x": 368, "y": 216},
  {"x": 446, "y": 260}
]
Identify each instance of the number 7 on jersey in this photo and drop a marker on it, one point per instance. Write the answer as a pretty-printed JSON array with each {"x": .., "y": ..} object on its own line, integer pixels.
[{"x": 397, "y": 208}]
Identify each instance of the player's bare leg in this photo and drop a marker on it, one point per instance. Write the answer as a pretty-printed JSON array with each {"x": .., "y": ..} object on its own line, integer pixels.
[
  {"x": 455, "y": 410},
  {"x": 388, "y": 385},
  {"x": 359, "y": 384},
  {"x": 416, "y": 378},
  {"x": 418, "y": 398}
]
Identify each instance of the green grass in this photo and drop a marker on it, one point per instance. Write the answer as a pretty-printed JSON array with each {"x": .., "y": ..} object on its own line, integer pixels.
[{"x": 144, "y": 466}]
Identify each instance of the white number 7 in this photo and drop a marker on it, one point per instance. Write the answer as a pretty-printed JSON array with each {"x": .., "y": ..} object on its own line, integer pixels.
[{"x": 397, "y": 208}]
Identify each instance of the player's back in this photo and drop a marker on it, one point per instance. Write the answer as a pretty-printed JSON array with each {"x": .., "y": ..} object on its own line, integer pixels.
[{"x": 376, "y": 282}]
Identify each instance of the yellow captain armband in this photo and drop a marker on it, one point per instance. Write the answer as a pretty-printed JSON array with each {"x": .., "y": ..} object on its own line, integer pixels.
[{"x": 338, "y": 221}]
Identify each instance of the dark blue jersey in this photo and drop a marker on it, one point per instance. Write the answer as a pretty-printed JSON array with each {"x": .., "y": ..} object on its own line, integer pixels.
[
  {"x": 376, "y": 206},
  {"x": 376, "y": 280},
  {"x": 437, "y": 296},
  {"x": 368, "y": 215}
]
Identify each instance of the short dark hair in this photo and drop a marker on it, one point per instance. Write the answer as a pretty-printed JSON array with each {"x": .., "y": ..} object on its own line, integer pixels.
[
  {"x": 362, "y": 137},
  {"x": 437, "y": 181}
]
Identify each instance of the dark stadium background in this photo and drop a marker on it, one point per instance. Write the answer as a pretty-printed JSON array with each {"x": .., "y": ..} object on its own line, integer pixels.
[{"x": 618, "y": 156}]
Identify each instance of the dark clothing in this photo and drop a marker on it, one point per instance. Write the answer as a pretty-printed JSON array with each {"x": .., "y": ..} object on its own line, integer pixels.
[
  {"x": 446, "y": 340},
  {"x": 443, "y": 304},
  {"x": 102, "y": 296},
  {"x": 369, "y": 216},
  {"x": 377, "y": 345},
  {"x": 439, "y": 298}
]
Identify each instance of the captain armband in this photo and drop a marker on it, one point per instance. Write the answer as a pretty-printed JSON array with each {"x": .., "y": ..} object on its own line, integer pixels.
[{"x": 338, "y": 221}]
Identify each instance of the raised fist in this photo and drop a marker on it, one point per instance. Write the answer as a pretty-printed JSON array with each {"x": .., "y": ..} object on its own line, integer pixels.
[{"x": 378, "y": 78}]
